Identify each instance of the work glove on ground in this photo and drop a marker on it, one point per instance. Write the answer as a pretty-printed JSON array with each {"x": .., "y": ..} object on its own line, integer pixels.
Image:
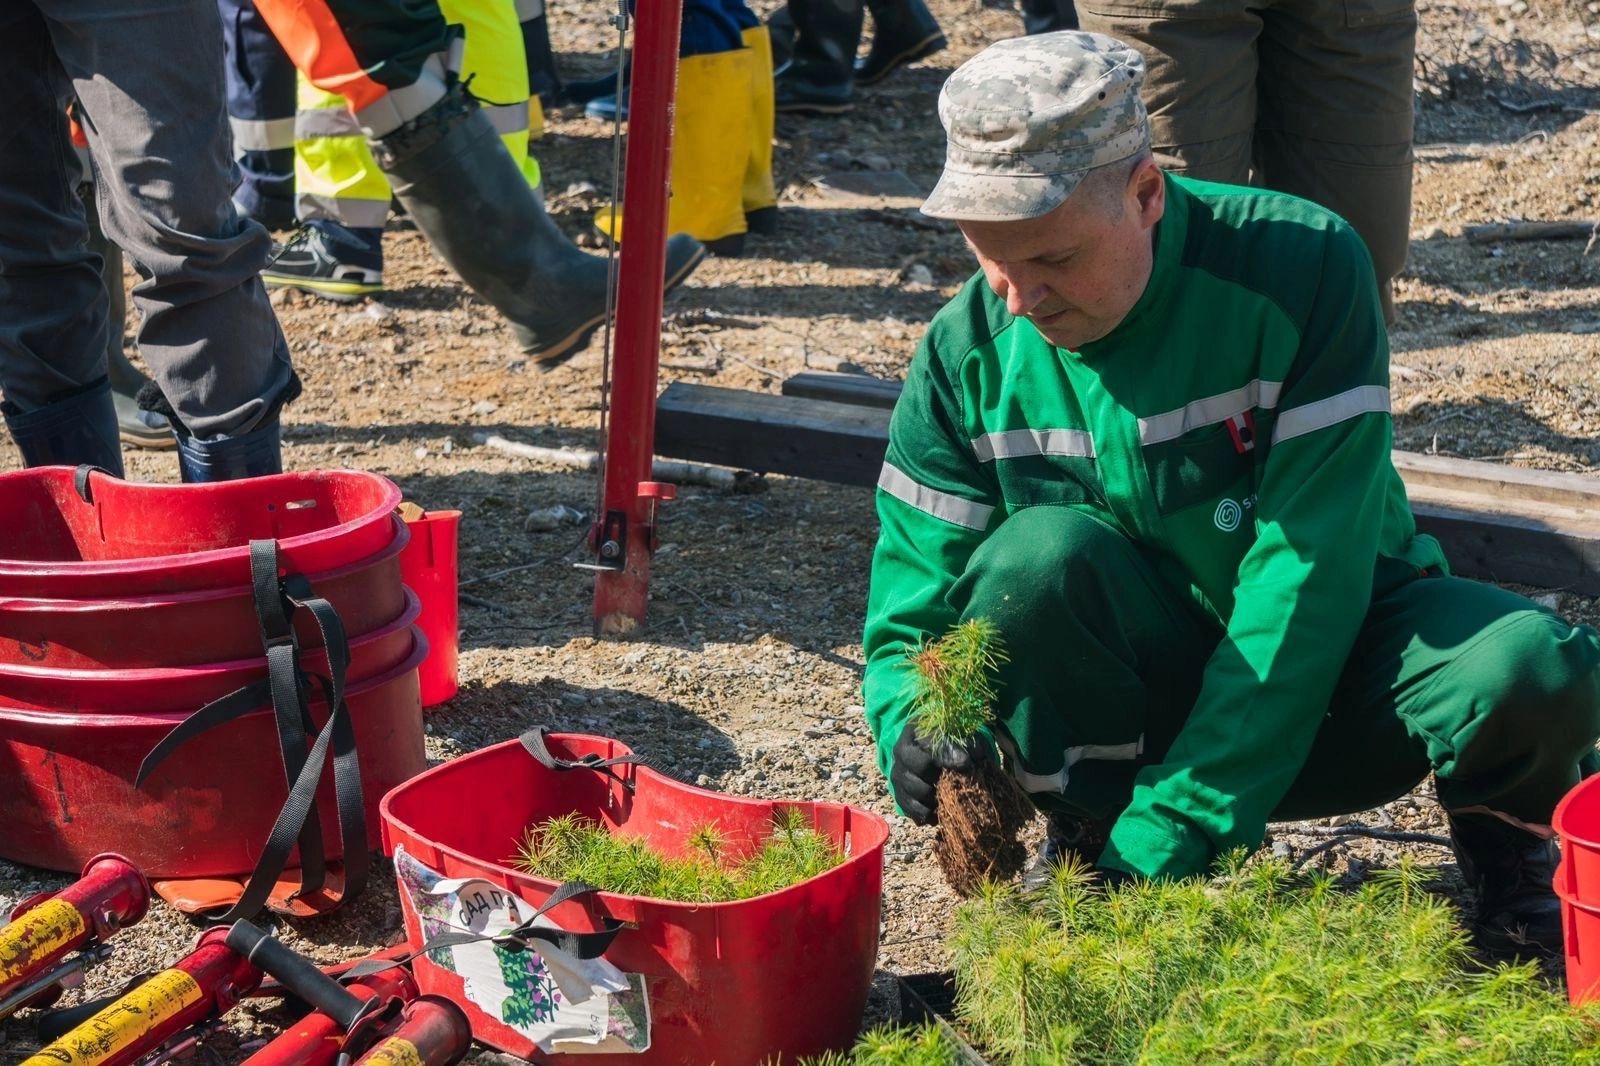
[{"x": 915, "y": 767}]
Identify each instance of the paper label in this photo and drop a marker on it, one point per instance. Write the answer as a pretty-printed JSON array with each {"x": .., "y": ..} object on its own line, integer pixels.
[
  {"x": 124, "y": 1023},
  {"x": 561, "y": 1003},
  {"x": 41, "y": 932}
]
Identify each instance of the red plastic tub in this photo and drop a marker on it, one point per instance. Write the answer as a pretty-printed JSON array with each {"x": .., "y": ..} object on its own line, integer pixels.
[
  {"x": 158, "y": 690},
  {"x": 134, "y": 539},
  {"x": 66, "y": 782},
  {"x": 428, "y": 567},
  {"x": 769, "y": 979},
  {"x": 1580, "y": 926},
  {"x": 190, "y": 628},
  {"x": 1577, "y": 822}
]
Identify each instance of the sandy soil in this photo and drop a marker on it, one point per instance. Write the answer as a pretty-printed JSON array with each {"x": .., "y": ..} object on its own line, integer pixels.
[{"x": 748, "y": 676}]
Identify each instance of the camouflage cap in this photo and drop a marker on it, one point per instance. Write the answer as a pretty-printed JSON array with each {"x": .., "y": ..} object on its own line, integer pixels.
[{"x": 1025, "y": 118}]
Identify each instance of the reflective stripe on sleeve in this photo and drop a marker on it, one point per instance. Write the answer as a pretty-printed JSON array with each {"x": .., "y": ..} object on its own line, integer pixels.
[
  {"x": 1209, "y": 411},
  {"x": 941, "y": 505},
  {"x": 1298, "y": 421},
  {"x": 1014, "y": 443},
  {"x": 399, "y": 106},
  {"x": 262, "y": 135},
  {"x": 1057, "y": 782}
]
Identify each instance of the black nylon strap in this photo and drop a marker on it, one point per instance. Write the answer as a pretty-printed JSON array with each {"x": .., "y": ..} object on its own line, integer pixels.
[
  {"x": 80, "y": 480},
  {"x": 534, "y": 743},
  {"x": 286, "y": 688},
  {"x": 579, "y": 945}
]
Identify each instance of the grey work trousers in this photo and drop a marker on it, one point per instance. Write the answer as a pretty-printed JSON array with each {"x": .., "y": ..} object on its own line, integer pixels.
[
  {"x": 1310, "y": 97},
  {"x": 148, "y": 80}
]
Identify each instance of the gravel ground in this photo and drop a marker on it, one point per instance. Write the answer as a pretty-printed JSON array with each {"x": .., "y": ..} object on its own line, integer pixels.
[{"x": 747, "y": 678}]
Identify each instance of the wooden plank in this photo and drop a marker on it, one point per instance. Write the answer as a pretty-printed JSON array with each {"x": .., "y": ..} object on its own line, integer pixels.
[
  {"x": 1496, "y": 522},
  {"x": 859, "y": 389},
  {"x": 837, "y": 442}
]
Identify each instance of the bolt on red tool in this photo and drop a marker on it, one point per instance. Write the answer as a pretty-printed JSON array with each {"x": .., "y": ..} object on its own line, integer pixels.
[
  {"x": 45, "y": 929},
  {"x": 379, "y": 1017},
  {"x": 162, "y": 1015}
]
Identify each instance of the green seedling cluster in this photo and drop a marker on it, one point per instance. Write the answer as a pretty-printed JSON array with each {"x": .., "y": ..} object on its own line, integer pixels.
[
  {"x": 956, "y": 682},
  {"x": 1258, "y": 965},
  {"x": 575, "y": 848}
]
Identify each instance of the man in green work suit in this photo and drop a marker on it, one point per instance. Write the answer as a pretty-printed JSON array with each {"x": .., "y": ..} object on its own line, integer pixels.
[{"x": 1150, "y": 441}]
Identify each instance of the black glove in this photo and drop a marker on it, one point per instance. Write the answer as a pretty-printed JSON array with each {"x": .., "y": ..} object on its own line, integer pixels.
[{"x": 915, "y": 768}]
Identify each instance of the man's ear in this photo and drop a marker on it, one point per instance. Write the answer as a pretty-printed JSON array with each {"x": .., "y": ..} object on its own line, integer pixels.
[{"x": 1149, "y": 192}]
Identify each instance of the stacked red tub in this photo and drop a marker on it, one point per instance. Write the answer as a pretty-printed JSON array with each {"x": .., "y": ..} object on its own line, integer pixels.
[{"x": 125, "y": 608}]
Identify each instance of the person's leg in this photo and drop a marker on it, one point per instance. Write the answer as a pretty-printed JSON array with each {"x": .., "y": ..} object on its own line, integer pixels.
[
  {"x": 1335, "y": 123},
  {"x": 341, "y": 197},
  {"x": 261, "y": 107},
  {"x": 1200, "y": 82},
  {"x": 759, "y": 198},
  {"x": 820, "y": 77},
  {"x": 495, "y": 67},
  {"x": 158, "y": 136},
  {"x": 1104, "y": 656},
  {"x": 903, "y": 31},
  {"x": 53, "y": 307},
  {"x": 544, "y": 80},
  {"x": 450, "y": 169},
  {"x": 1500, "y": 699}
]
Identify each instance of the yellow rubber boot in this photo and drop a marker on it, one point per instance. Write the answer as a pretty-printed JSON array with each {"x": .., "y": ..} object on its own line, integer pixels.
[
  {"x": 760, "y": 199},
  {"x": 710, "y": 148}
]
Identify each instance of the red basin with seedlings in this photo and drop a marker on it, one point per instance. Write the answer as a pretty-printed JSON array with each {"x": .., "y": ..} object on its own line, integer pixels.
[{"x": 769, "y": 979}]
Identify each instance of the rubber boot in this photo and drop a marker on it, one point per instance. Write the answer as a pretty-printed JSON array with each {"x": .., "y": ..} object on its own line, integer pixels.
[
  {"x": 544, "y": 81},
  {"x": 472, "y": 202},
  {"x": 1512, "y": 873},
  {"x": 70, "y": 431},
  {"x": 253, "y": 454},
  {"x": 1048, "y": 16},
  {"x": 135, "y": 426},
  {"x": 759, "y": 197},
  {"x": 821, "y": 76},
  {"x": 903, "y": 31},
  {"x": 710, "y": 149},
  {"x": 780, "y": 28}
]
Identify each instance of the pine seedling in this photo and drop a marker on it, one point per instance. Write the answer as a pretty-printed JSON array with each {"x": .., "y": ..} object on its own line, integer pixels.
[{"x": 955, "y": 683}]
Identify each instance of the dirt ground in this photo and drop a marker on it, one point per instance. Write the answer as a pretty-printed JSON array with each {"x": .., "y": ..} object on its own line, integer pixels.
[{"x": 747, "y": 678}]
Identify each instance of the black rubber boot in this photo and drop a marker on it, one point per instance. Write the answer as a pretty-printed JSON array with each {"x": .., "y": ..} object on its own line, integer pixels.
[
  {"x": 1048, "y": 16},
  {"x": 820, "y": 79},
  {"x": 780, "y": 30},
  {"x": 1512, "y": 874},
  {"x": 253, "y": 454},
  {"x": 903, "y": 31},
  {"x": 1066, "y": 837},
  {"x": 135, "y": 426},
  {"x": 473, "y": 204},
  {"x": 70, "y": 431},
  {"x": 544, "y": 81}
]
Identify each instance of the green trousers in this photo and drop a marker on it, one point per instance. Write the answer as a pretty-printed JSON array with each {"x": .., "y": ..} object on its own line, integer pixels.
[{"x": 1497, "y": 696}]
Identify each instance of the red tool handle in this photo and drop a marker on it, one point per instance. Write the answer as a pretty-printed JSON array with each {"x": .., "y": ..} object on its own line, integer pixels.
[
  {"x": 316, "y": 1039},
  {"x": 110, "y": 894},
  {"x": 432, "y": 1031}
]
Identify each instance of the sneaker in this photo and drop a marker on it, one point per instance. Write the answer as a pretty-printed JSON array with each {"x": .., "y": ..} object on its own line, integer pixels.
[{"x": 328, "y": 260}]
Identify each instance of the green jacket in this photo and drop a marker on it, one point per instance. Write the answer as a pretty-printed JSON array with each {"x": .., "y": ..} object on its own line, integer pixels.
[{"x": 1236, "y": 425}]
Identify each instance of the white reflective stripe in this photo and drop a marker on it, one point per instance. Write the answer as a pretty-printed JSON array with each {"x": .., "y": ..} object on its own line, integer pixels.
[
  {"x": 357, "y": 214},
  {"x": 316, "y": 122},
  {"x": 399, "y": 106},
  {"x": 942, "y": 505},
  {"x": 1014, "y": 443},
  {"x": 508, "y": 118},
  {"x": 528, "y": 10},
  {"x": 1209, "y": 411},
  {"x": 1057, "y": 782},
  {"x": 262, "y": 135},
  {"x": 1298, "y": 421},
  {"x": 1106, "y": 752}
]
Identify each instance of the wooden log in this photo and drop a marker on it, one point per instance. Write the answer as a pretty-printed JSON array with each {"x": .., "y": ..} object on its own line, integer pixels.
[
  {"x": 843, "y": 388},
  {"x": 1529, "y": 231},
  {"x": 1496, "y": 522}
]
